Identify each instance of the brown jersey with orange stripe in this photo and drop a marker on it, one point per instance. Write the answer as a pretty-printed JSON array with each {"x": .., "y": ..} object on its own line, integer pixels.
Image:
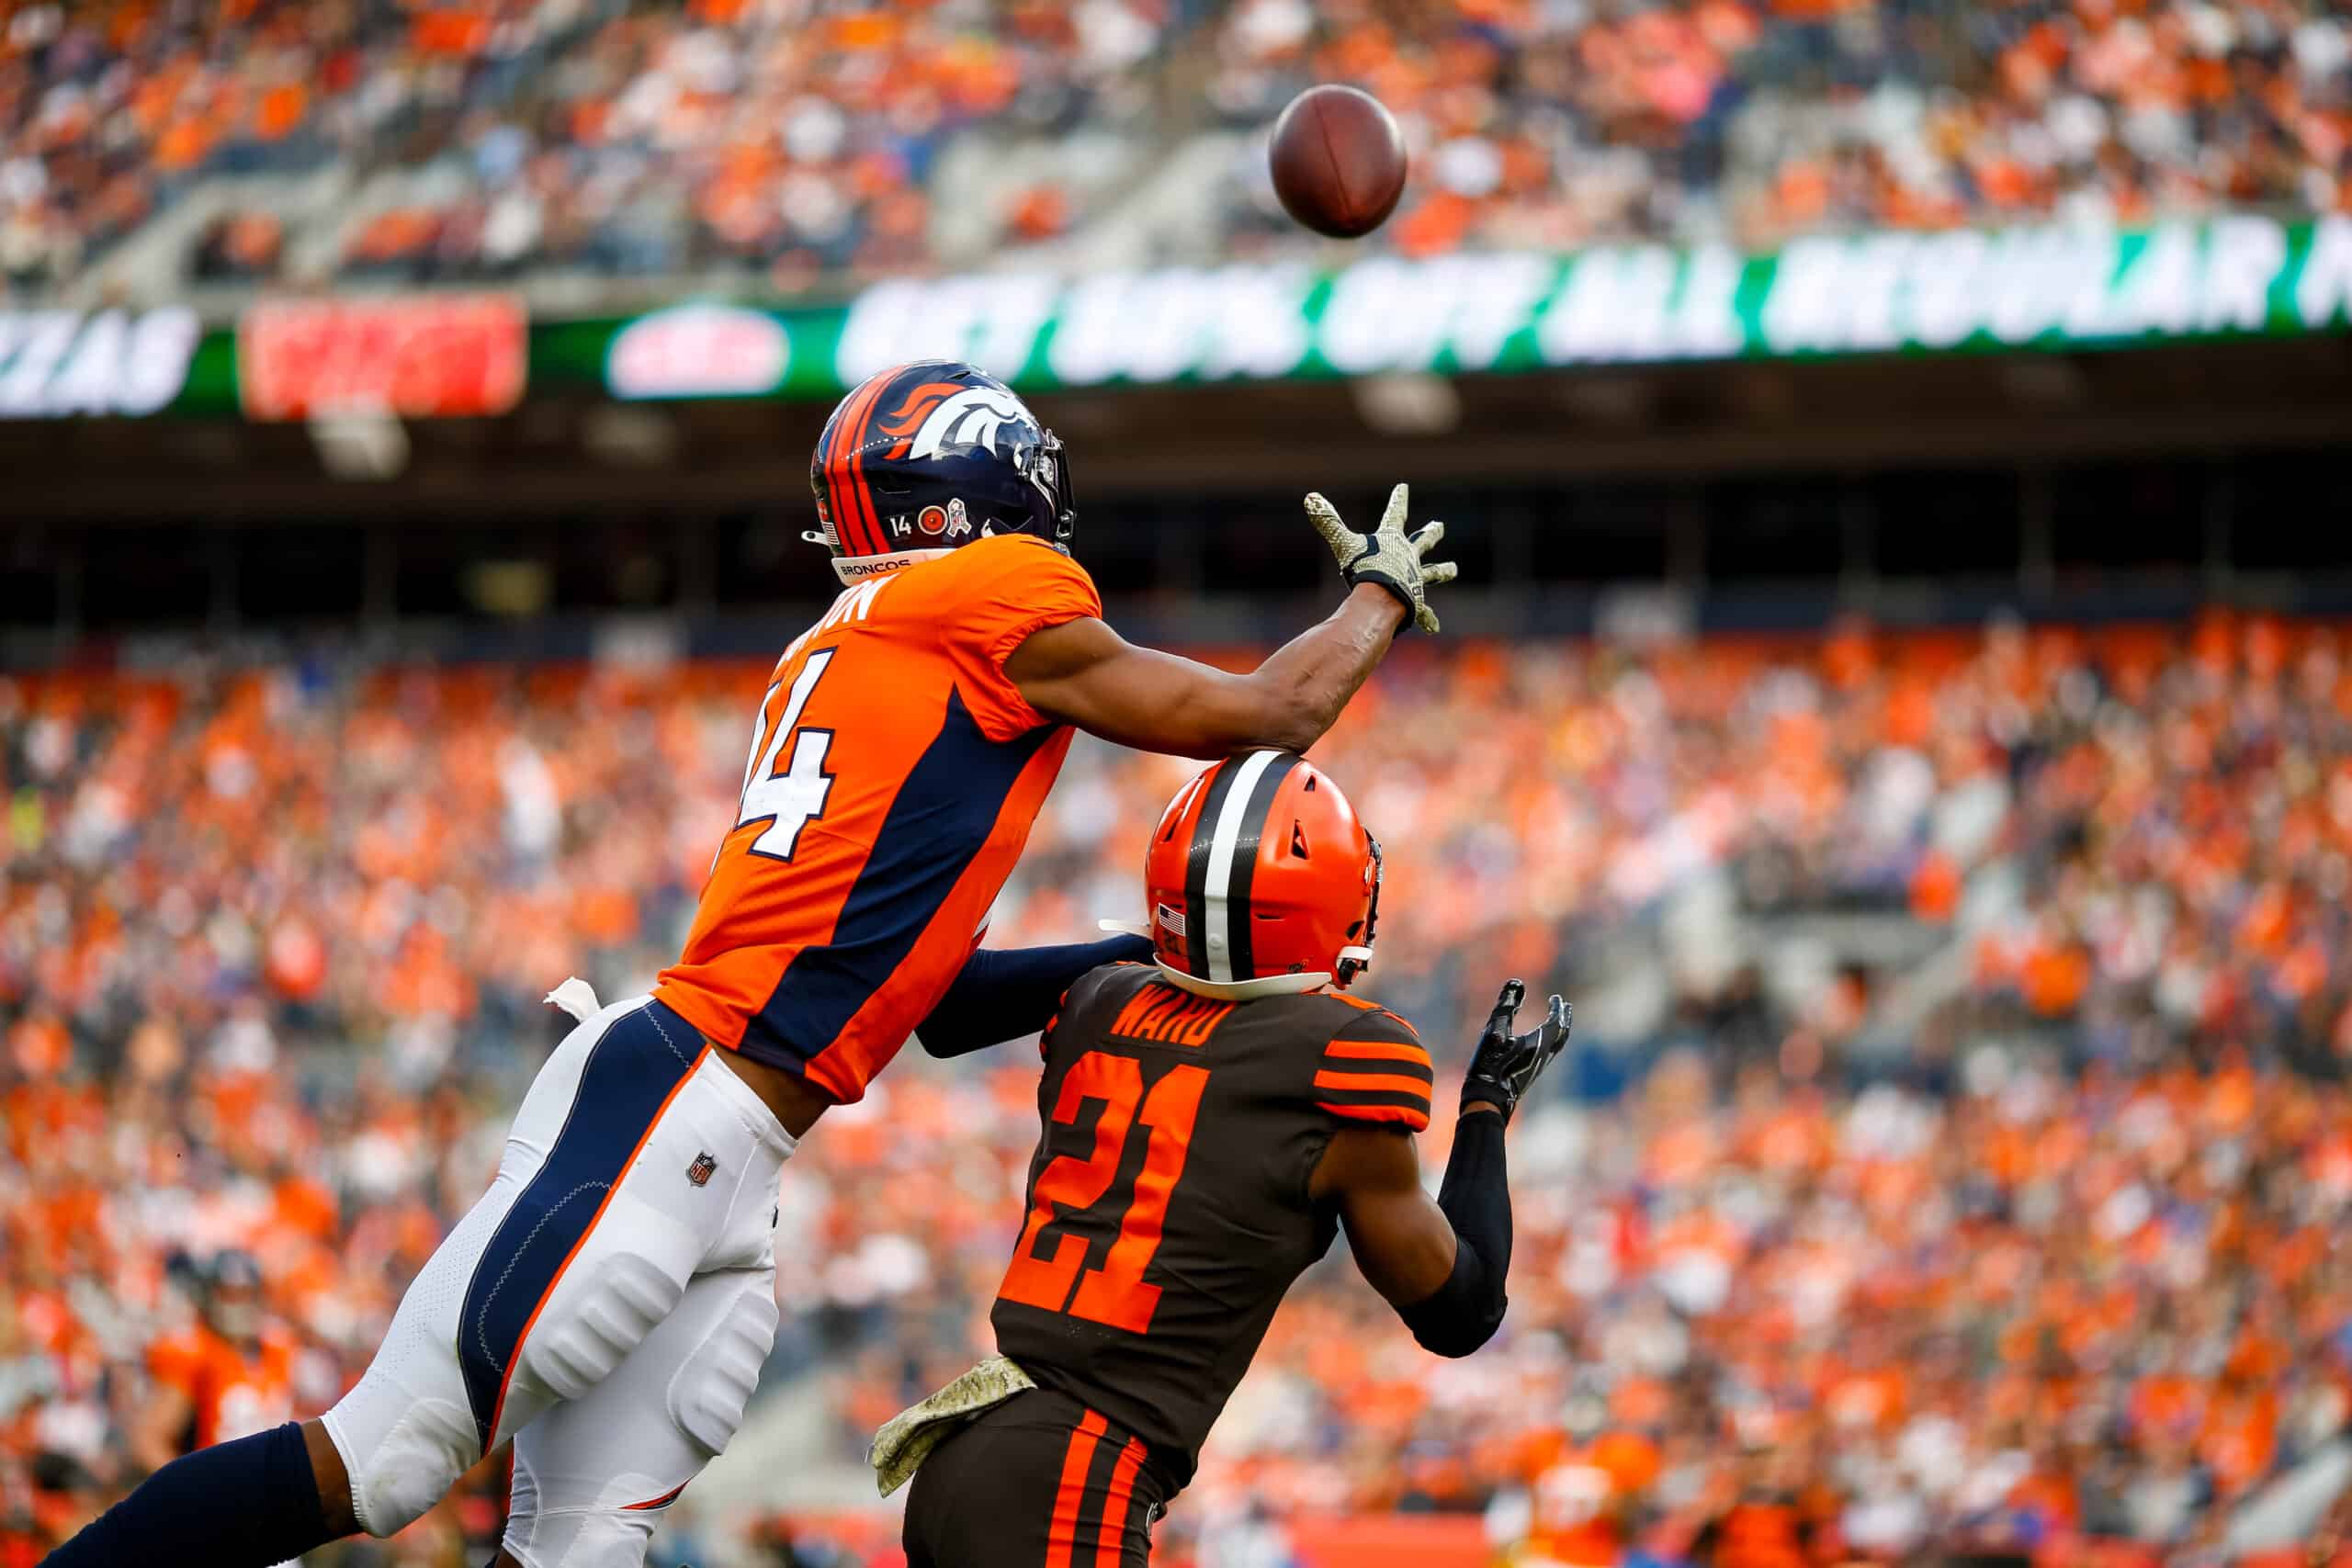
[
  {"x": 893, "y": 777},
  {"x": 1168, "y": 1198}
]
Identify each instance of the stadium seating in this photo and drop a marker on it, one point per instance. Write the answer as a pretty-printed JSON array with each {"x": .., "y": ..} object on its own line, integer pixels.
[
  {"x": 1888, "y": 1143},
  {"x": 797, "y": 140}
]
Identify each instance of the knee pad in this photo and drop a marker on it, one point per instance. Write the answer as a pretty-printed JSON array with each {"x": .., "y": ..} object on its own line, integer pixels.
[
  {"x": 404, "y": 1451},
  {"x": 581, "y": 1537},
  {"x": 588, "y": 1331},
  {"x": 592, "y": 1478},
  {"x": 715, "y": 1381}
]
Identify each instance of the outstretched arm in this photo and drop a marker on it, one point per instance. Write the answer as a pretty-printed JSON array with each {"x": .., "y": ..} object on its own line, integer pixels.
[
  {"x": 1083, "y": 673},
  {"x": 1442, "y": 1265},
  {"x": 1007, "y": 992}
]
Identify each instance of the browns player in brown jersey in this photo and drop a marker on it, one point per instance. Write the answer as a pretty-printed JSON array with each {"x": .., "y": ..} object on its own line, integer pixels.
[{"x": 1212, "y": 1120}]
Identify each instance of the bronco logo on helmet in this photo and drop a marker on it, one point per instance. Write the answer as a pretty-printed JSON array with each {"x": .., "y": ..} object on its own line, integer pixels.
[
  {"x": 947, "y": 421},
  {"x": 946, "y": 443}
]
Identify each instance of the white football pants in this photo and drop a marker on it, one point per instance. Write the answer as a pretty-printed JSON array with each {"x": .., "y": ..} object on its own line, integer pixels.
[{"x": 608, "y": 1303}]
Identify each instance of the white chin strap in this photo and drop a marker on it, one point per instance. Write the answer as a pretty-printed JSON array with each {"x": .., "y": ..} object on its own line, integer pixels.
[
  {"x": 854, "y": 569},
  {"x": 1233, "y": 990},
  {"x": 1243, "y": 990}
]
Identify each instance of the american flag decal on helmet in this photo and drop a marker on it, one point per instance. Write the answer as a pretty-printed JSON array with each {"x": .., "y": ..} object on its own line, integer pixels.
[{"x": 703, "y": 1169}]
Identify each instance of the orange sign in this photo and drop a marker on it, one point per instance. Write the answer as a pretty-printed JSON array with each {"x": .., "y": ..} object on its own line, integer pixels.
[{"x": 419, "y": 357}]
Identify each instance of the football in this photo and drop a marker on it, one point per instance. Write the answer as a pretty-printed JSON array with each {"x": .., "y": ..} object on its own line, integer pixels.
[{"x": 1338, "y": 161}]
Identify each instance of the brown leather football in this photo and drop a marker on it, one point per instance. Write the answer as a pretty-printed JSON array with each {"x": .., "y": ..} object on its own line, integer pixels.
[{"x": 1338, "y": 161}]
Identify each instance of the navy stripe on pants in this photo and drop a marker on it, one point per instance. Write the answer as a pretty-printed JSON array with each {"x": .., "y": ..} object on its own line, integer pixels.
[{"x": 630, "y": 1075}]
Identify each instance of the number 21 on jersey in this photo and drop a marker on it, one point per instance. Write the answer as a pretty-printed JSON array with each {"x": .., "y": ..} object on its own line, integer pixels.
[{"x": 1069, "y": 1189}]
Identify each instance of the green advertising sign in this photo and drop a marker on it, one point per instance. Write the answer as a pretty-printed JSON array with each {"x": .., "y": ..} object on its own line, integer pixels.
[{"x": 1889, "y": 292}]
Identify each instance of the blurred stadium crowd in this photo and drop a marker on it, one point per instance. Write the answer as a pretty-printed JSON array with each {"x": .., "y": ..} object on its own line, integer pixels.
[
  {"x": 803, "y": 138},
  {"x": 2061, "y": 1264}
]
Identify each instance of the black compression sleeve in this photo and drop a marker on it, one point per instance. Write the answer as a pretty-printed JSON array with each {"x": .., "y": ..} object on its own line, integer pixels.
[
  {"x": 1005, "y": 993},
  {"x": 1476, "y": 1193},
  {"x": 1476, "y": 1199}
]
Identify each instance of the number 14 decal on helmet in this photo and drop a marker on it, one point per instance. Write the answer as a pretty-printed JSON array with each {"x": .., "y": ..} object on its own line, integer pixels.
[{"x": 1069, "y": 1189}]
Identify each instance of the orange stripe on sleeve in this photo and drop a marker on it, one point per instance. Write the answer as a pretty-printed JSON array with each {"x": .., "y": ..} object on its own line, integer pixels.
[
  {"x": 1063, "y": 1534},
  {"x": 1376, "y": 1010},
  {"x": 1114, "y": 1509},
  {"x": 1377, "y": 1051},
  {"x": 1373, "y": 1083},
  {"x": 1414, "y": 1120}
]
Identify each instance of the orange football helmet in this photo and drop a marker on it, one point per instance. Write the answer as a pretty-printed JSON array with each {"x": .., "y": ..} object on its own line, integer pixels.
[{"x": 1260, "y": 881}]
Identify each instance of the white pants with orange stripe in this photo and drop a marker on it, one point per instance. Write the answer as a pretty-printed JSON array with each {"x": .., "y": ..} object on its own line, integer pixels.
[{"x": 607, "y": 1304}]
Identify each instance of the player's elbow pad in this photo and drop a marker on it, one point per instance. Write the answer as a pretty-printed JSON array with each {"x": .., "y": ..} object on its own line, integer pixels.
[{"x": 1465, "y": 1312}]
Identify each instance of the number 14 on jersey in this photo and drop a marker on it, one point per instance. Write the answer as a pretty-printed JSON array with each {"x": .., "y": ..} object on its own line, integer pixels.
[{"x": 788, "y": 801}]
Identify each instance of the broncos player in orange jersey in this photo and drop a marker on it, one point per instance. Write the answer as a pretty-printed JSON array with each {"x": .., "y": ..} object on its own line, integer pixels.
[
  {"x": 608, "y": 1303},
  {"x": 227, "y": 1373}
]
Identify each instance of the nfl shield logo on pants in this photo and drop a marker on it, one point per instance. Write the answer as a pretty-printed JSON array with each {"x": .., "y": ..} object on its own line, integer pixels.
[{"x": 700, "y": 1172}]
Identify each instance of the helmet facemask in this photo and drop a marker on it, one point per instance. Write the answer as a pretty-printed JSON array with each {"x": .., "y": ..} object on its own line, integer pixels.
[
  {"x": 1357, "y": 958},
  {"x": 1046, "y": 466}
]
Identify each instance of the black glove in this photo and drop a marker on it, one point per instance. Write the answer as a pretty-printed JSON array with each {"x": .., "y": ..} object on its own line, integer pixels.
[{"x": 1507, "y": 1063}]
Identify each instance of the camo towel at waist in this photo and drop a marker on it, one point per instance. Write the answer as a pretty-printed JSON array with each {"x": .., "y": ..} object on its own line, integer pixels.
[{"x": 908, "y": 1438}]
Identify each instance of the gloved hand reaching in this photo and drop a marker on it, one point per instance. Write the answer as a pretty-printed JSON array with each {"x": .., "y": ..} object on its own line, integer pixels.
[
  {"x": 1505, "y": 1063},
  {"x": 1389, "y": 556}
]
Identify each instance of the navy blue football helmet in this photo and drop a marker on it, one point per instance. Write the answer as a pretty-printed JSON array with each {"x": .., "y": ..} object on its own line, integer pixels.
[
  {"x": 929, "y": 455},
  {"x": 233, "y": 1295}
]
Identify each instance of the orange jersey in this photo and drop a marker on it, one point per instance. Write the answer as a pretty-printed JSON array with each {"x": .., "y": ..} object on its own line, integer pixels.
[
  {"x": 235, "y": 1394},
  {"x": 893, "y": 778},
  {"x": 1580, "y": 1502}
]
